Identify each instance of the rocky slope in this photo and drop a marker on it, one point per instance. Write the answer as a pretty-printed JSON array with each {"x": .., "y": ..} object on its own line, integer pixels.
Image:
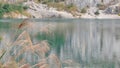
[
  {"x": 112, "y": 12},
  {"x": 42, "y": 11},
  {"x": 38, "y": 10}
]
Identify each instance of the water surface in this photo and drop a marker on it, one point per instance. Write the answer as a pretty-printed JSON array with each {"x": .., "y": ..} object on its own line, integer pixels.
[{"x": 62, "y": 43}]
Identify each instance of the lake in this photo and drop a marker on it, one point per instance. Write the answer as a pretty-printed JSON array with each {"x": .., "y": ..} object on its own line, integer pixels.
[{"x": 60, "y": 43}]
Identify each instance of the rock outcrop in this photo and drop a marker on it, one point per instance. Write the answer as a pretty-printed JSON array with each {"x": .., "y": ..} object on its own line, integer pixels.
[
  {"x": 113, "y": 9},
  {"x": 42, "y": 11}
]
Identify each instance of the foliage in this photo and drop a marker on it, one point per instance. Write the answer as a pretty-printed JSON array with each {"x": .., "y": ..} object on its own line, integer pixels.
[
  {"x": 119, "y": 14},
  {"x": 101, "y": 6},
  {"x": 1, "y": 38},
  {"x": 83, "y": 10},
  {"x": 71, "y": 7},
  {"x": 47, "y": 1},
  {"x": 6, "y": 8},
  {"x": 61, "y": 6},
  {"x": 44, "y": 1},
  {"x": 97, "y": 12}
]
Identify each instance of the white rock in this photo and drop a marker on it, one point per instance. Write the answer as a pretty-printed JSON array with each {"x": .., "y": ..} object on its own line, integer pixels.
[{"x": 42, "y": 11}]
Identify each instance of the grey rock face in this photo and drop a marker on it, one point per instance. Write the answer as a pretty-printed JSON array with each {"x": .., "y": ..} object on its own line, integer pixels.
[
  {"x": 42, "y": 11},
  {"x": 115, "y": 9}
]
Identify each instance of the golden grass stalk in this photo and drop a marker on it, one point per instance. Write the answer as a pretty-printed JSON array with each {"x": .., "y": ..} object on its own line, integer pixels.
[
  {"x": 26, "y": 24},
  {"x": 56, "y": 59},
  {"x": 24, "y": 40},
  {"x": 1, "y": 65},
  {"x": 39, "y": 64},
  {"x": 45, "y": 46},
  {"x": 42, "y": 64},
  {"x": 25, "y": 66},
  {"x": 69, "y": 62},
  {"x": 10, "y": 64}
]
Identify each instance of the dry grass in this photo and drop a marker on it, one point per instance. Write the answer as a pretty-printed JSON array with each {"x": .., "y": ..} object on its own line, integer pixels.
[
  {"x": 24, "y": 40},
  {"x": 56, "y": 60},
  {"x": 16, "y": 14},
  {"x": 11, "y": 64},
  {"x": 25, "y": 24},
  {"x": 25, "y": 66},
  {"x": 25, "y": 13},
  {"x": 101, "y": 6},
  {"x": 119, "y": 14},
  {"x": 60, "y": 6},
  {"x": 41, "y": 49},
  {"x": 42, "y": 64},
  {"x": 1, "y": 65}
]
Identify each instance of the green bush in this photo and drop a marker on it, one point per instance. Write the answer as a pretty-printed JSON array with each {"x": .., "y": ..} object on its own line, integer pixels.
[
  {"x": 83, "y": 10},
  {"x": 6, "y": 8},
  {"x": 1, "y": 12},
  {"x": 71, "y": 8},
  {"x": 97, "y": 12},
  {"x": 1, "y": 38}
]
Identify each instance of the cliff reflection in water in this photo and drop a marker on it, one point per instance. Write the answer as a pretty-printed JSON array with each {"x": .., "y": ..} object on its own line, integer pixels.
[{"x": 60, "y": 43}]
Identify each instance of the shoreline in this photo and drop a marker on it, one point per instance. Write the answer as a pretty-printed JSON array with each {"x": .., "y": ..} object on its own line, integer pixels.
[{"x": 41, "y": 11}]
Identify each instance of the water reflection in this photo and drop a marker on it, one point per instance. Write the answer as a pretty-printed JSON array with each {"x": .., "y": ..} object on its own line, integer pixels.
[{"x": 54, "y": 43}]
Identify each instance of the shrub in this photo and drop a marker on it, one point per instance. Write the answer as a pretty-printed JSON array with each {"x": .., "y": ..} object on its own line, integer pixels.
[
  {"x": 119, "y": 14},
  {"x": 71, "y": 7},
  {"x": 59, "y": 6},
  {"x": 45, "y": 1},
  {"x": 101, "y": 6},
  {"x": 6, "y": 8},
  {"x": 1, "y": 38},
  {"x": 97, "y": 12},
  {"x": 83, "y": 10}
]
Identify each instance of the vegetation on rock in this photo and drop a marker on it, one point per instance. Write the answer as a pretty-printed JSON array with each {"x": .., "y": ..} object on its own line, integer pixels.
[
  {"x": 101, "y": 6},
  {"x": 97, "y": 12},
  {"x": 6, "y": 8},
  {"x": 119, "y": 14}
]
